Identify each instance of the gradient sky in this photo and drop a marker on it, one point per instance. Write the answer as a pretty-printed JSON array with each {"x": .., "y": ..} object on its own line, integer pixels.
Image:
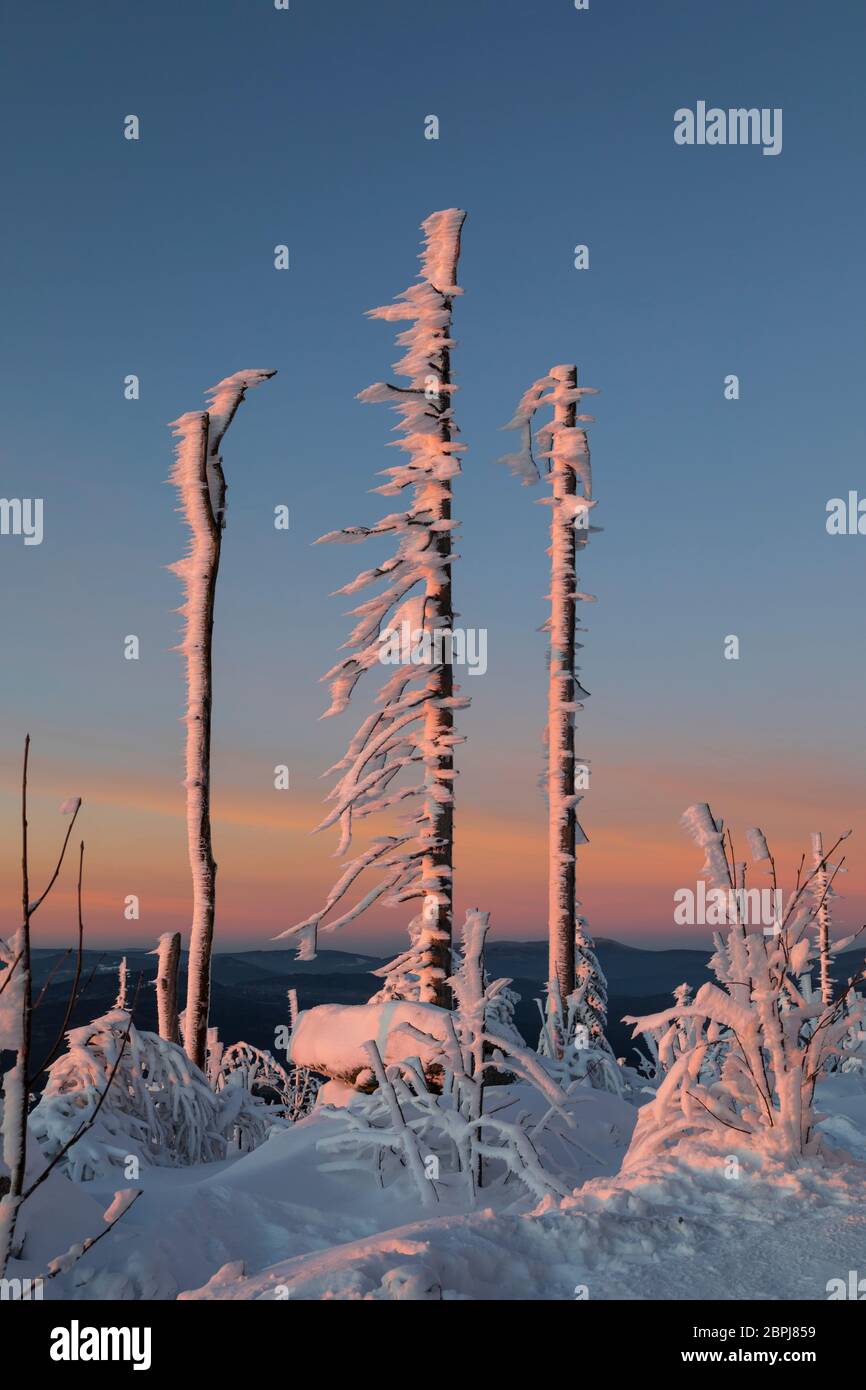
[{"x": 306, "y": 127}]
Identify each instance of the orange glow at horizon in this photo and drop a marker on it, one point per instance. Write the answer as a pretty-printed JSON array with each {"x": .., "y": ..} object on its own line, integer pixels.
[{"x": 273, "y": 873}]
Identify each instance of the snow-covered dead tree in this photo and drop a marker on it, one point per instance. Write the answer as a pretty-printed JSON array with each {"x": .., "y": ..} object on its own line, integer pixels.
[
  {"x": 214, "y": 1049},
  {"x": 563, "y": 443},
  {"x": 822, "y": 896},
  {"x": 122, "y": 1000},
  {"x": 199, "y": 478},
  {"x": 413, "y": 726},
  {"x": 168, "y": 964},
  {"x": 590, "y": 984},
  {"x": 747, "y": 1052}
]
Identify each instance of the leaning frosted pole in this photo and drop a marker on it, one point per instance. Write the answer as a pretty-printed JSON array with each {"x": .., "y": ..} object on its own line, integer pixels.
[
  {"x": 563, "y": 444},
  {"x": 412, "y": 727},
  {"x": 198, "y": 475}
]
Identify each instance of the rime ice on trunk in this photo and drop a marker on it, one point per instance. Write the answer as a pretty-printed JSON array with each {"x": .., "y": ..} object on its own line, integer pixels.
[
  {"x": 168, "y": 964},
  {"x": 822, "y": 894},
  {"x": 122, "y": 1000},
  {"x": 414, "y": 724},
  {"x": 562, "y": 911},
  {"x": 198, "y": 475},
  {"x": 564, "y": 445}
]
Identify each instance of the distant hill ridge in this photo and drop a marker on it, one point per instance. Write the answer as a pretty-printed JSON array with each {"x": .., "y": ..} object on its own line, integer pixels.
[
  {"x": 248, "y": 988},
  {"x": 634, "y": 969}
]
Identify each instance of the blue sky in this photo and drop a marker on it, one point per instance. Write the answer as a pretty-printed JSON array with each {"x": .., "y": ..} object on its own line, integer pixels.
[{"x": 305, "y": 127}]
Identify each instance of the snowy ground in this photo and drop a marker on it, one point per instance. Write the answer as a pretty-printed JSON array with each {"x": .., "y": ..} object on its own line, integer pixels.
[{"x": 273, "y": 1225}]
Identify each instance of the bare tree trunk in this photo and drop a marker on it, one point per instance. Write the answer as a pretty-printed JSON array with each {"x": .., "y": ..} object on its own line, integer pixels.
[
  {"x": 562, "y": 914},
  {"x": 168, "y": 965}
]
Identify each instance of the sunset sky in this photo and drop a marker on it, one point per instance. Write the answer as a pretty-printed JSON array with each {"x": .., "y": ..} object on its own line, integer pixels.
[{"x": 156, "y": 258}]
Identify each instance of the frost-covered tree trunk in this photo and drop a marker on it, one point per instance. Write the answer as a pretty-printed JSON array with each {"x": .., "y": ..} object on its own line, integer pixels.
[
  {"x": 168, "y": 964},
  {"x": 122, "y": 1000},
  {"x": 564, "y": 445},
  {"x": 822, "y": 893},
  {"x": 438, "y": 837},
  {"x": 198, "y": 475},
  {"x": 413, "y": 726},
  {"x": 562, "y": 911}
]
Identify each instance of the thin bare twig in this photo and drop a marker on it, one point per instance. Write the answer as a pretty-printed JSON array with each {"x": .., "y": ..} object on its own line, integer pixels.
[
  {"x": 50, "y": 976},
  {"x": 54, "y": 1050}
]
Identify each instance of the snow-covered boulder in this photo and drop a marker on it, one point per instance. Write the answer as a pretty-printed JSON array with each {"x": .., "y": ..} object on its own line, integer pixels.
[{"x": 330, "y": 1038}]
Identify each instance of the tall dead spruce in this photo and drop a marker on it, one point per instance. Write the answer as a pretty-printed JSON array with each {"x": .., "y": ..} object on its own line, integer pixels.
[
  {"x": 412, "y": 729},
  {"x": 198, "y": 475},
  {"x": 563, "y": 443}
]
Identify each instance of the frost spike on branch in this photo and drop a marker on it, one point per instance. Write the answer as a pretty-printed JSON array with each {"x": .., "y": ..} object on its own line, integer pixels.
[
  {"x": 199, "y": 478},
  {"x": 415, "y": 720}
]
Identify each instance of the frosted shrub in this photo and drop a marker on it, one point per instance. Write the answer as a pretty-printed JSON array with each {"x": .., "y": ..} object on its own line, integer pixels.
[
  {"x": 291, "y": 1091},
  {"x": 159, "y": 1107},
  {"x": 745, "y": 1055},
  {"x": 448, "y": 1137}
]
